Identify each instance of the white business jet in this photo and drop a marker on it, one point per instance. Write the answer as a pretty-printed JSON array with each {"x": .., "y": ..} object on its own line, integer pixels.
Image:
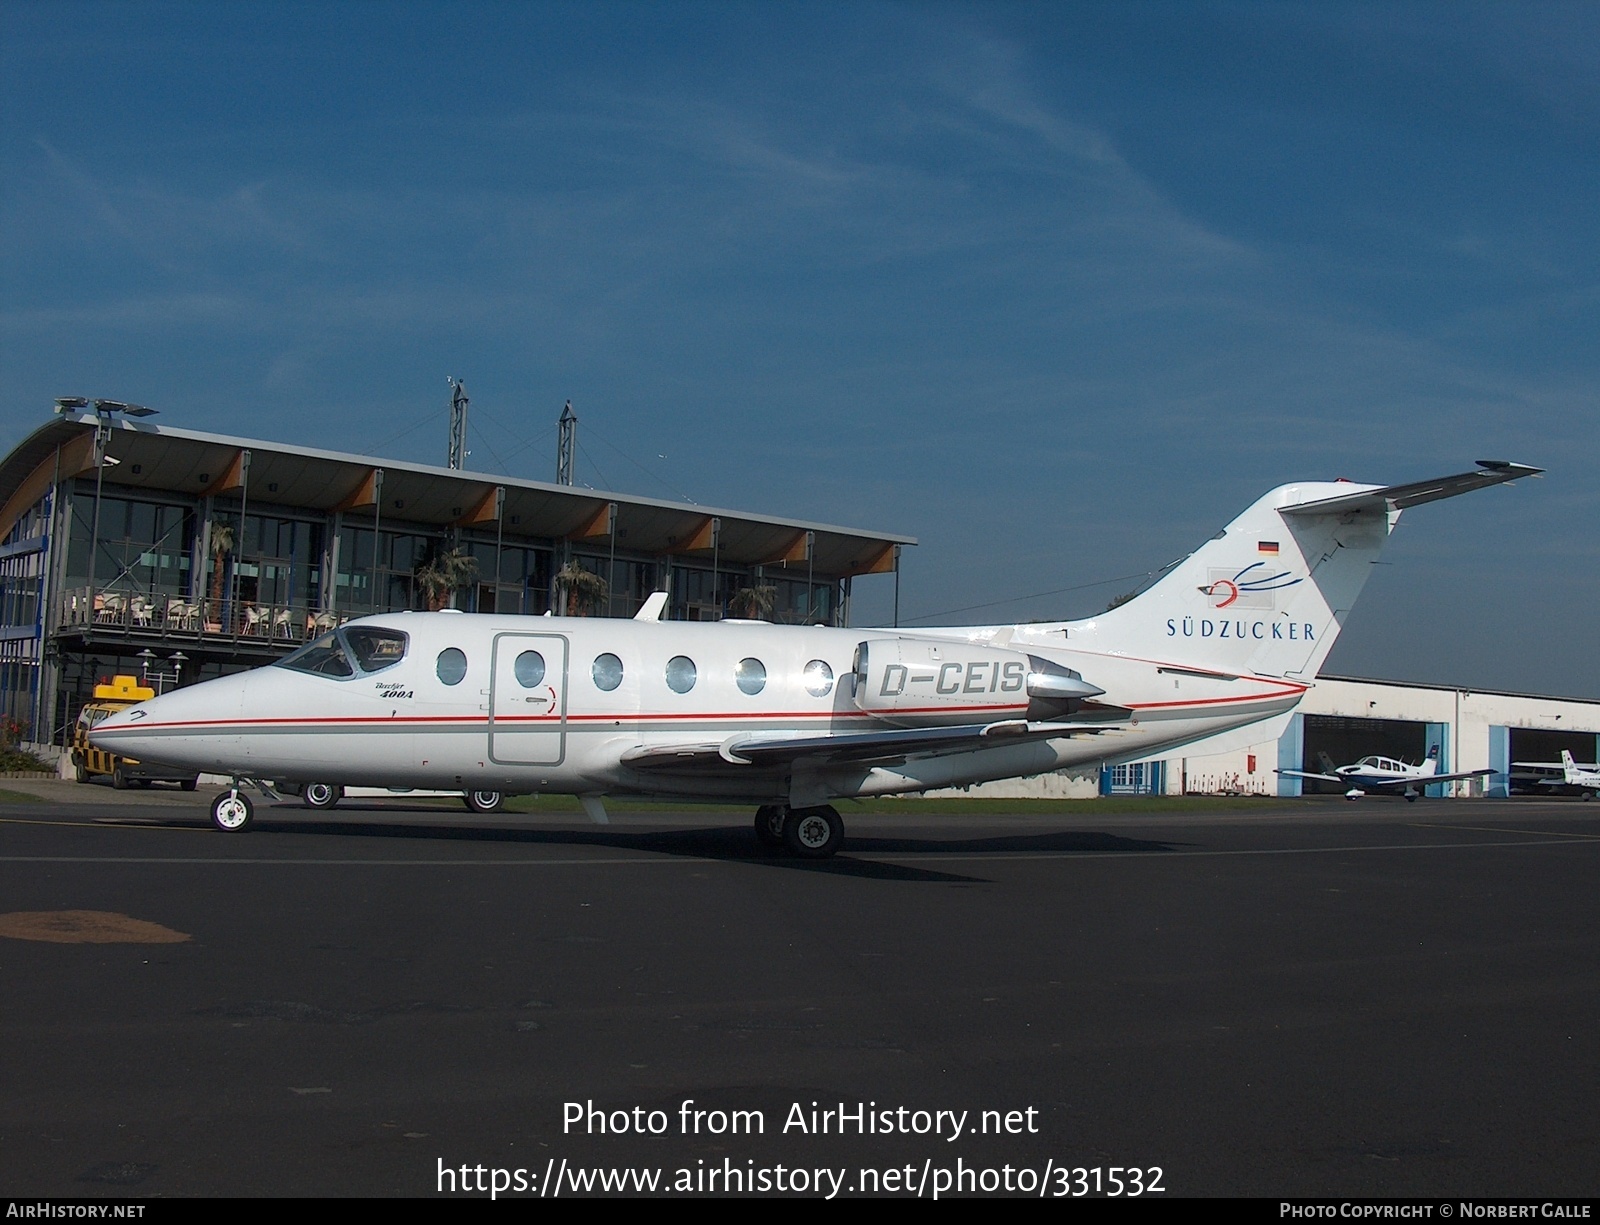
[
  {"x": 791, "y": 717},
  {"x": 1384, "y": 775},
  {"x": 1573, "y": 773}
]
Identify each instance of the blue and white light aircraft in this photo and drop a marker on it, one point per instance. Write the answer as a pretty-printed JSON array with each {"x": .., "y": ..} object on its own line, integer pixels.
[
  {"x": 1385, "y": 775},
  {"x": 790, "y": 717},
  {"x": 1583, "y": 775}
]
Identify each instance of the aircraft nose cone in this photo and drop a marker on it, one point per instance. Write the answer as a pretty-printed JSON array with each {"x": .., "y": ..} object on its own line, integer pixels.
[{"x": 182, "y": 728}]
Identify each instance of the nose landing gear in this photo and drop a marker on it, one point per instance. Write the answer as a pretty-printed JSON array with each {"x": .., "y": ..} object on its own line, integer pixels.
[{"x": 232, "y": 812}]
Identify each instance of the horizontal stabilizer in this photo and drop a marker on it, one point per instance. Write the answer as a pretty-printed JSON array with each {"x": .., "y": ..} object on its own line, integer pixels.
[{"x": 1398, "y": 497}]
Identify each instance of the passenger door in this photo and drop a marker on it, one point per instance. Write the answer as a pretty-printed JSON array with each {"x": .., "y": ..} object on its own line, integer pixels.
[{"x": 528, "y": 700}]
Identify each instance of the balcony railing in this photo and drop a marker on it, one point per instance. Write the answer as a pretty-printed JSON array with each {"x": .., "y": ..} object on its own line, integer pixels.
[{"x": 177, "y": 617}]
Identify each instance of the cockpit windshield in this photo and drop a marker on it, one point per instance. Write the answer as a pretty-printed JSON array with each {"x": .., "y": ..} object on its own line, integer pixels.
[
  {"x": 324, "y": 657},
  {"x": 341, "y": 652},
  {"x": 375, "y": 649}
]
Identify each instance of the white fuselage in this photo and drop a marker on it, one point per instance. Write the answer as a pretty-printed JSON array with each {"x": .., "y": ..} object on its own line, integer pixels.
[{"x": 403, "y": 725}]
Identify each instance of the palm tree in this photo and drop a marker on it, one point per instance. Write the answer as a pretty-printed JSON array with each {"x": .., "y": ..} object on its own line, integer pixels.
[
  {"x": 585, "y": 590},
  {"x": 221, "y": 546},
  {"x": 753, "y": 603},
  {"x": 441, "y": 573}
]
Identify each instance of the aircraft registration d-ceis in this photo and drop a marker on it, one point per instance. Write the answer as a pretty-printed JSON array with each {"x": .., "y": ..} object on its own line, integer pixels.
[{"x": 788, "y": 717}]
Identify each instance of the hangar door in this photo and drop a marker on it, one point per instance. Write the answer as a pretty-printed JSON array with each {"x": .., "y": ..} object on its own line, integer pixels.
[
  {"x": 1348, "y": 740},
  {"x": 1534, "y": 744}
]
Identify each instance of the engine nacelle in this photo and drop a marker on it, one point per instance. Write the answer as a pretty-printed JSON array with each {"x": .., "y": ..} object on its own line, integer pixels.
[{"x": 917, "y": 682}]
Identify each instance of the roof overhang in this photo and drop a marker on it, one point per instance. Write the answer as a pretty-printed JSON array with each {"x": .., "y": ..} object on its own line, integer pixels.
[{"x": 192, "y": 464}]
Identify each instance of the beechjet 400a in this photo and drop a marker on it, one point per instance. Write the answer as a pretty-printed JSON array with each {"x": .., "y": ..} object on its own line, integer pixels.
[
  {"x": 1385, "y": 775},
  {"x": 790, "y": 717}
]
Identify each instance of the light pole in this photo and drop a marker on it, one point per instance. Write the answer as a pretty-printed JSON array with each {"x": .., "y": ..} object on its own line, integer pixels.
[
  {"x": 103, "y": 411},
  {"x": 147, "y": 657}
]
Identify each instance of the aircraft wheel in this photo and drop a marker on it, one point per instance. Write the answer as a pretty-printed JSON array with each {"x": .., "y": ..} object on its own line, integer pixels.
[
  {"x": 769, "y": 824},
  {"x": 80, "y": 771},
  {"x": 321, "y": 795},
  {"x": 813, "y": 833},
  {"x": 187, "y": 783},
  {"x": 1411, "y": 799},
  {"x": 485, "y": 801},
  {"x": 232, "y": 812},
  {"x": 119, "y": 778}
]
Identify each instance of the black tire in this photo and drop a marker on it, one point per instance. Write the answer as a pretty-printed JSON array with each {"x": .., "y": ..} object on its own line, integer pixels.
[
  {"x": 232, "y": 812},
  {"x": 813, "y": 833},
  {"x": 769, "y": 824},
  {"x": 485, "y": 801},
  {"x": 119, "y": 778},
  {"x": 188, "y": 784},
  {"x": 321, "y": 795},
  {"x": 80, "y": 771}
]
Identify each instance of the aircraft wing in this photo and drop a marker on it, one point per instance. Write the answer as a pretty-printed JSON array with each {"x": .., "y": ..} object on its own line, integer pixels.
[
  {"x": 746, "y": 750},
  {"x": 1423, "y": 780},
  {"x": 1326, "y": 778},
  {"x": 1398, "y": 497}
]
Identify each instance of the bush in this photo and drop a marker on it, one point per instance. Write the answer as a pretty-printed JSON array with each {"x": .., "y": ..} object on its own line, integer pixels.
[{"x": 17, "y": 761}]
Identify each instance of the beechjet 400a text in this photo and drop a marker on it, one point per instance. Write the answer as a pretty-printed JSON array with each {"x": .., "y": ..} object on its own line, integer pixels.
[
  {"x": 788, "y": 718},
  {"x": 1385, "y": 775}
]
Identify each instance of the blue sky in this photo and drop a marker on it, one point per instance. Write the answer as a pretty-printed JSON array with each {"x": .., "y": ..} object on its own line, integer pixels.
[{"x": 1057, "y": 288}]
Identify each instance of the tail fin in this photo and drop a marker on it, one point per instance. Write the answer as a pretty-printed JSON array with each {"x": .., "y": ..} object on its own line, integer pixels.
[
  {"x": 1431, "y": 765},
  {"x": 1328, "y": 766},
  {"x": 1568, "y": 766},
  {"x": 1269, "y": 594}
]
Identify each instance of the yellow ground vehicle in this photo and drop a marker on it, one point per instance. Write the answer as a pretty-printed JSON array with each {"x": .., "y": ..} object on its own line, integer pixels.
[{"x": 87, "y": 761}]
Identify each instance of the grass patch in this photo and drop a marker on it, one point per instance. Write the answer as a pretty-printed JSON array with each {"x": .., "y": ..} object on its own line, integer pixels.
[
  {"x": 554, "y": 804},
  {"x": 1097, "y": 806},
  {"x": 913, "y": 805},
  {"x": 19, "y": 797}
]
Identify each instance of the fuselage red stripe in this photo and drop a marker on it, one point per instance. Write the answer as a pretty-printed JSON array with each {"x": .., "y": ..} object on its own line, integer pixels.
[{"x": 629, "y": 717}]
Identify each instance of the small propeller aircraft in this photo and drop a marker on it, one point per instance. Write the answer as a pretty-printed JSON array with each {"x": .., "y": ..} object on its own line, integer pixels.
[
  {"x": 1384, "y": 775},
  {"x": 1573, "y": 774},
  {"x": 790, "y": 717}
]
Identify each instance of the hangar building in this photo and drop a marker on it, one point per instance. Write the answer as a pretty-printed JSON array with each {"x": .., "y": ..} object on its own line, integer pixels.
[
  {"x": 135, "y": 548},
  {"x": 1348, "y": 719}
]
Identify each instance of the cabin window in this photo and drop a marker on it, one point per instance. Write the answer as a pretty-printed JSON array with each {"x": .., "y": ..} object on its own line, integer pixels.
[
  {"x": 607, "y": 672},
  {"x": 529, "y": 669},
  {"x": 376, "y": 649},
  {"x": 324, "y": 657},
  {"x": 819, "y": 678},
  {"x": 451, "y": 666},
  {"x": 751, "y": 674},
  {"x": 681, "y": 674}
]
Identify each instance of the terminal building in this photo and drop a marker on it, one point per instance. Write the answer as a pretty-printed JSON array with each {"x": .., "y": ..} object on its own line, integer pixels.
[{"x": 132, "y": 548}]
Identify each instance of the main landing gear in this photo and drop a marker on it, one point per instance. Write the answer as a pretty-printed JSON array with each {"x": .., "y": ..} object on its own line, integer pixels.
[{"x": 810, "y": 833}]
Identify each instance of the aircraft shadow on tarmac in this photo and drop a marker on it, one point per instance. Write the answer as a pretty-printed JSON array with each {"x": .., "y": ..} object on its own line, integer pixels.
[{"x": 736, "y": 844}]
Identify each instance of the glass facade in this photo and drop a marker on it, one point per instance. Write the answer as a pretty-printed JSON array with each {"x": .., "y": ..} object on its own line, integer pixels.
[{"x": 143, "y": 547}]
